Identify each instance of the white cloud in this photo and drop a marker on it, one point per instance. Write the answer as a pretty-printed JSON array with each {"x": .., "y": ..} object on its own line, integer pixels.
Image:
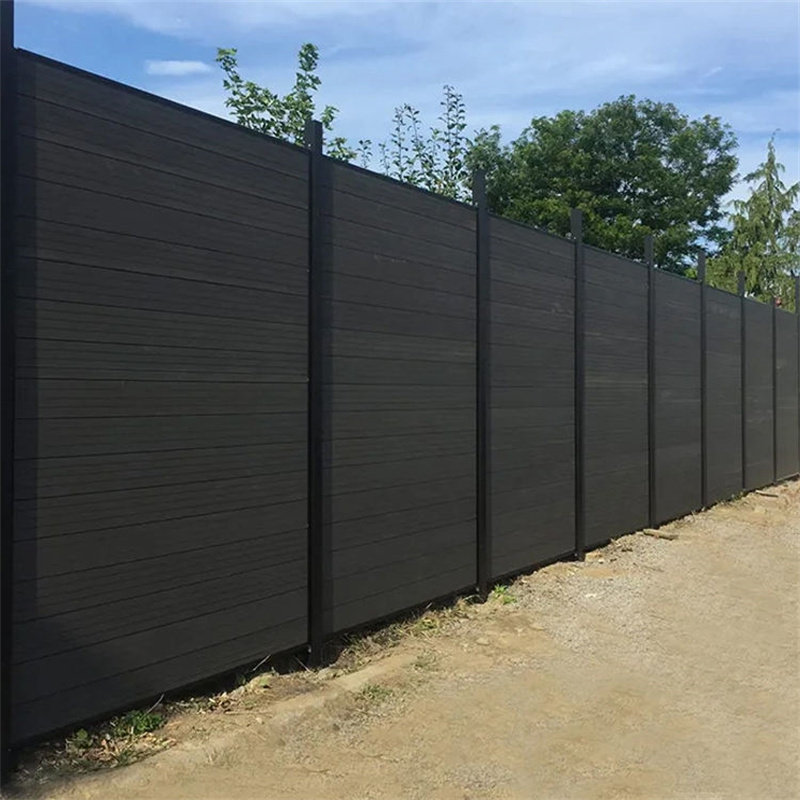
[
  {"x": 176, "y": 68},
  {"x": 512, "y": 60},
  {"x": 203, "y": 18}
]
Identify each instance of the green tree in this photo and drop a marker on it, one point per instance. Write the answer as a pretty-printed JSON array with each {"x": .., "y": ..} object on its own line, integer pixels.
[
  {"x": 633, "y": 166},
  {"x": 260, "y": 109},
  {"x": 764, "y": 242},
  {"x": 438, "y": 160}
]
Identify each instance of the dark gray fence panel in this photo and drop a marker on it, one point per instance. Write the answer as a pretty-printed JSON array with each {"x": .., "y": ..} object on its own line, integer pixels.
[
  {"x": 677, "y": 385},
  {"x": 724, "y": 419},
  {"x": 400, "y": 396},
  {"x": 615, "y": 432},
  {"x": 532, "y": 397},
  {"x": 787, "y": 394},
  {"x": 759, "y": 469},
  {"x": 161, "y": 398}
]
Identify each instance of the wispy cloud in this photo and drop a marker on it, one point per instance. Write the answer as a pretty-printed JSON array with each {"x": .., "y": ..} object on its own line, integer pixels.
[
  {"x": 512, "y": 60},
  {"x": 176, "y": 69}
]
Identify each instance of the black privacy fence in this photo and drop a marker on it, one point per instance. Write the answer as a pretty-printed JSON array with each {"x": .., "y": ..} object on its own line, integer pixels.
[{"x": 254, "y": 397}]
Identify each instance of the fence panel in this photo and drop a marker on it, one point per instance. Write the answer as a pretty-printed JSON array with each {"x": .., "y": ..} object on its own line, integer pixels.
[
  {"x": 615, "y": 434},
  {"x": 724, "y": 399},
  {"x": 677, "y": 388},
  {"x": 532, "y": 397},
  {"x": 787, "y": 392},
  {"x": 759, "y": 467},
  {"x": 401, "y": 440},
  {"x": 161, "y": 391}
]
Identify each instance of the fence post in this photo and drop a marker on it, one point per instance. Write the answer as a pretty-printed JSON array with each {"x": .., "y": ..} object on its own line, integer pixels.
[
  {"x": 483, "y": 376},
  {"x": 649, "y": 259},
  {"x": 316, "y": 548},
  {"x": 773, "y": 300},
  {"x": 576, "y": 228},
  {"x": 743, "y": 371},
  {"x": 701, "y": 277},
  {"x": 8, "y": 100}
]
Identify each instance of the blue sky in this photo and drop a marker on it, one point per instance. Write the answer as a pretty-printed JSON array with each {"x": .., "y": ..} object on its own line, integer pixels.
[{"x": 511, "y": 60}]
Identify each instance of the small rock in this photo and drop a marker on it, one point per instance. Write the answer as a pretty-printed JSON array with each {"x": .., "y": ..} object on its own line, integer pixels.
[
  {"x": 658, "y": 534},
  {"x": 260, "y": 720},
  {"x": 482, "y": 640}
]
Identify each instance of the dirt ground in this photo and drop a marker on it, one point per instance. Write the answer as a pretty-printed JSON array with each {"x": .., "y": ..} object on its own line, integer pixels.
[{"x": 659, "y": 668}]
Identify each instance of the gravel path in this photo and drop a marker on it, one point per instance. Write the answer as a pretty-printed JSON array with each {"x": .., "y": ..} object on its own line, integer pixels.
[{"x": 660, "y": 668}]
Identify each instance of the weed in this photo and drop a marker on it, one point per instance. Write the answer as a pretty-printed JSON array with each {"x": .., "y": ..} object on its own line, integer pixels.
[
  {"x": 374, "y": 694},
  {"x": 136, "y": 723},
  {"x": 501, "y": 594}
]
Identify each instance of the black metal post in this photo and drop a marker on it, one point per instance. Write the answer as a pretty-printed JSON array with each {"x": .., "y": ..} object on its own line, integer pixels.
[
  {"x": 483, "y": 387},
  {"x": 576, "y": 227},
  {"x": 8, "y": 97},
  {"x": 701, "y": 277},
  {"x": 316, "y": 548},
  {"x": 649, "y": 258},
  {"x": 743, "y": 370},
  {"x": 773, "y": 300}
]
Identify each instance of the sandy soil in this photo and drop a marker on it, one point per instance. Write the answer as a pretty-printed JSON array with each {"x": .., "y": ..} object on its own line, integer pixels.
[{"x": 660, "y": 668}]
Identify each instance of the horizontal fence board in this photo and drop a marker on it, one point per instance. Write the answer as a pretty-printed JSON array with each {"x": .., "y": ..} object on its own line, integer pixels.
[
  {"x": 399, "y": 271},
  {"x": 88, "y": 209},
  {"x": 349, "y": 180},
  {"x": 131, "y": 687},
  {"x": 63, "y": 243},
  {"x": 110, "y": 547},
  {"x": 112, "y": 398},
  {"x": 47, "y": 81},
  {"x": 394, "y": 527},
  {"x": 115, "y": 619},
  {"x": 418, "y": 589},
  {"x": 57, "y": 124},
  {"x": 118, "y": 472},
  {"x": 112, "y": 658},
  {"x": 84, "y": 436},
  {"x": 45, "y": 516},
  {"x": 41, "y": 594},
  {"x": 50, "y": 163},
  {"x": 381, "y": 575}
]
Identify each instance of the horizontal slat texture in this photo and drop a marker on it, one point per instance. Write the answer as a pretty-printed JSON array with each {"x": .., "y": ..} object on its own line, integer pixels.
[
  {"x": 616, "y": 396},
  {"x": 400, "y": 397},
  {"x": 161, "y": 391},
  {"x": 759, "y": 469},
  {"x": 532, "y": 397},
  {"x": 678, "y": 403},
  {"x": 160, "y": 492},
  {"x": 724, "y": 397},
  {"x": 787, "y": 393}
]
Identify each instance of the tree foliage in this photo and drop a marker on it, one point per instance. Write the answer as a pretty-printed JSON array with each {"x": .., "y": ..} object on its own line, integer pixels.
[
  {"x": 764, "y": 241},
  {"x": 260, "y": 109},
  {"x": 437, "y": 160},
  {"x": 633, "y": 167}
]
